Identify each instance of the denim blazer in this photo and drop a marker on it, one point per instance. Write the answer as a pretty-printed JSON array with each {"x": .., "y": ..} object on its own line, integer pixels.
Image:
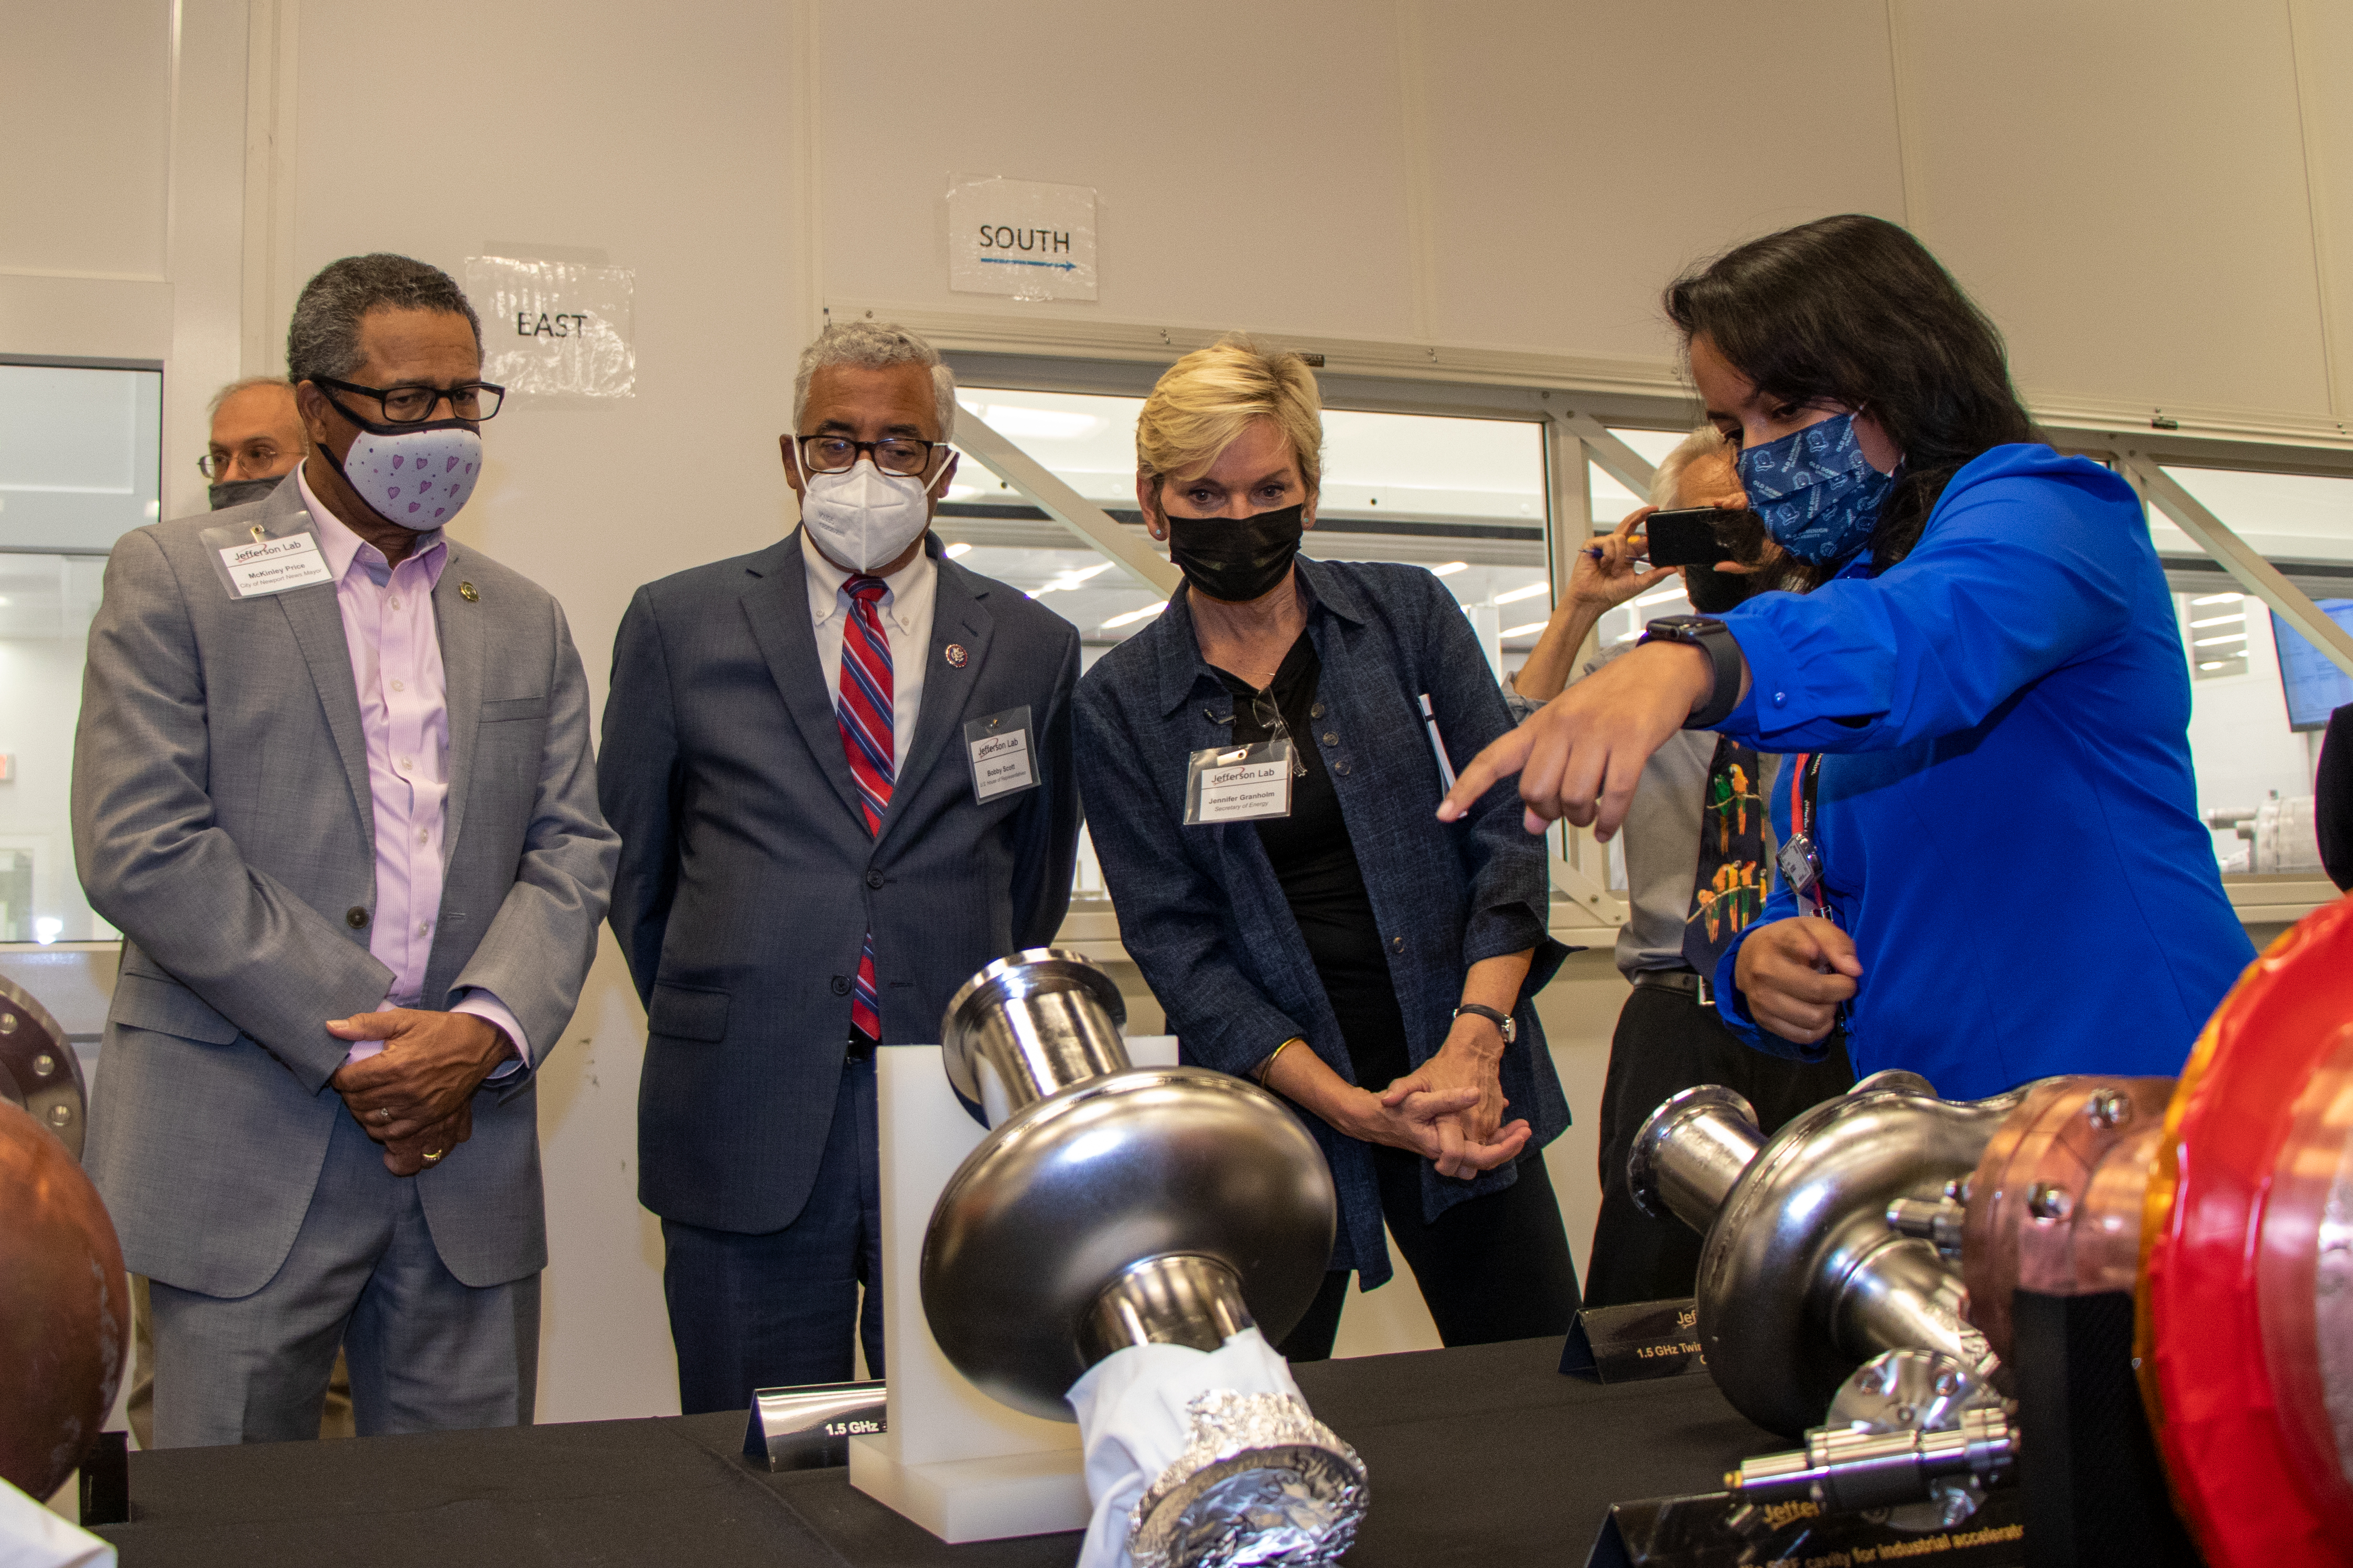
[{"x": 1204, "y": 917}]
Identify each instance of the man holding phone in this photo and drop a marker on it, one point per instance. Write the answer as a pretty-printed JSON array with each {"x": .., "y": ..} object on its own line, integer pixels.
[{"x": 1699, "y": 838}]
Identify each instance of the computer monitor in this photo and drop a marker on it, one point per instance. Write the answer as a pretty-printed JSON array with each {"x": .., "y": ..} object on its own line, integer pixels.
[{"x": 2314, "y": 684}]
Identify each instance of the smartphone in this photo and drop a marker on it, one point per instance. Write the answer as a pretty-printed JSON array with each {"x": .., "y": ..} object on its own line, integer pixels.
[{"x": 1689, "y": 536}]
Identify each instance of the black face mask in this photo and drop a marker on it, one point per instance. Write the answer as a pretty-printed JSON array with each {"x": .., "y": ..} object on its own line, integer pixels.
[
  {"x": 237, "y": 492},
  {"x": 1712, "y": 591},
  {"x": 1236, "y": 559}
]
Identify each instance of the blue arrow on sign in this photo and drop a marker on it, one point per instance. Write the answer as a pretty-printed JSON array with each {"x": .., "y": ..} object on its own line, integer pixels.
[{"x": 1009, "y": 261}]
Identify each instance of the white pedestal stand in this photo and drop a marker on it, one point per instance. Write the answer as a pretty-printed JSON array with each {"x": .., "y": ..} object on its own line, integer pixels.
[{"x": 955, "y": 1460}]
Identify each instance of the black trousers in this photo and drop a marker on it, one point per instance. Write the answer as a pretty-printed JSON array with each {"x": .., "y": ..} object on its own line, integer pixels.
[
  {"x": 1492, "y": 1268},
  {"x": 1666, "y": 1042}
]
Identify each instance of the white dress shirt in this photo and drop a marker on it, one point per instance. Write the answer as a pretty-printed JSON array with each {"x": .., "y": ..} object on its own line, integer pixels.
[
  {"x": 908, "y": 595},
  {"x": 395, "y": 651}
]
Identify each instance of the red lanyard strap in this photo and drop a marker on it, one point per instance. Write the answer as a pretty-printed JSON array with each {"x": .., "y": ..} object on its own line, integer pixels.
[{"x": 1797, "y": 792}]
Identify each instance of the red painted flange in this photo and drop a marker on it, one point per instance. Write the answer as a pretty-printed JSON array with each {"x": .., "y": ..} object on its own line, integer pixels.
[{"x": 2239, "y": 1449}]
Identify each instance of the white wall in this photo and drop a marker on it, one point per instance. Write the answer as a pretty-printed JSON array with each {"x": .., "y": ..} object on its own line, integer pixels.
[{"x": 2151, "y": 201}]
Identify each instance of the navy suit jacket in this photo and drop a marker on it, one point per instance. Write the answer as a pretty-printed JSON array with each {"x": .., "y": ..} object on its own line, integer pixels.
[{"x": 747, "y": 879}]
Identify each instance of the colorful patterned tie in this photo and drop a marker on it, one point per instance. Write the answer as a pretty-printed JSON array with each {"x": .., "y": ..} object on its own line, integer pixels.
[
  {"x": 1733, "y": 878},
  {"x": 867, "y": 737}
]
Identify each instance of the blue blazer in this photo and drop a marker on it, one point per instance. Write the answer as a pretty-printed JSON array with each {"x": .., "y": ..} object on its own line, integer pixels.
[
  {"x": 1204, "y": 917},
  {"x": 747, "y": 879},
  {"x": 2008, "y": 817}
]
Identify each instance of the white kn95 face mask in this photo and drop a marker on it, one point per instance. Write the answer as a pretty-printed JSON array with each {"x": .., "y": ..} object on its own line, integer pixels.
[{"x": 864, "y": 518}]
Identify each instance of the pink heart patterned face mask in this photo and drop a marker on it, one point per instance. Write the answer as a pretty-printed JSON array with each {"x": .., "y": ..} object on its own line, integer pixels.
[{"x": 420, "y": 476}]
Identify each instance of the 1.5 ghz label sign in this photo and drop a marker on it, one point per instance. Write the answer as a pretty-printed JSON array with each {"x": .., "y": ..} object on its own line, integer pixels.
[{"x": 1021, "y": 239}]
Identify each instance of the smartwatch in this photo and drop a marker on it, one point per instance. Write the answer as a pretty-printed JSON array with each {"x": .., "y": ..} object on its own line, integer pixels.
[
  {"x": 1710, "y": 635},
  {"x": 1503, "y": 1021}
]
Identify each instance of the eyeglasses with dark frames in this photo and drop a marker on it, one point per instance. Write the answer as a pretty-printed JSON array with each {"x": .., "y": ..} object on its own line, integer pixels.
[
  {"x": 1269, "y": 719},
  {"x": 901, "y": 455},
  {"x": 475, "y": 400}
]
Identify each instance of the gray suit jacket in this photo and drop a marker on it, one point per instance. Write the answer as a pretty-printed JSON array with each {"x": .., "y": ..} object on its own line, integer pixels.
[
  {"x": 222, "y": 820},
  {"x": 748, "y": 880}
]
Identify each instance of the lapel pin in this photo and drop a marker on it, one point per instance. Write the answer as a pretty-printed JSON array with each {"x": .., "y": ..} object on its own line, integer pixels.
[
  {"x": 957, "y": 656},
  {"x": 466, "y": 591}
]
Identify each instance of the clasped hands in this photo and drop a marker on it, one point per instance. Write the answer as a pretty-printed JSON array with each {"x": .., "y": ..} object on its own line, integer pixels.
[
  {"x": 1450, "y": 1110},
  {"x": 415, "y": 1096}
]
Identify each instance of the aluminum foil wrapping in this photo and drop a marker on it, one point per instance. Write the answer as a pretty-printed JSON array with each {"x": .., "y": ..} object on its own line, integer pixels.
[
  {"x": 1211, "y": 1458},
  {"x": 1261, "y": 1482}
]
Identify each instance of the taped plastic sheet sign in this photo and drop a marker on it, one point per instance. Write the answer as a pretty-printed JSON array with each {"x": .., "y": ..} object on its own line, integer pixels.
[
  {"x": 1022, "y": 238},
  {"x": 556, "y": 327}
]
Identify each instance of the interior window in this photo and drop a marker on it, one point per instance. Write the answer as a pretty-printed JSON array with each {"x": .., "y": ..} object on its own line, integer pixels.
[{"x": 80, "y": 465}]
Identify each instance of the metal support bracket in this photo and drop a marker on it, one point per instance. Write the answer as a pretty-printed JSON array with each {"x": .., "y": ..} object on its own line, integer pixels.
[
  {"x": 2236, "y": 556},
  {"x": 1609, "y": 454},
  {"x": 1066, "y": 505}
]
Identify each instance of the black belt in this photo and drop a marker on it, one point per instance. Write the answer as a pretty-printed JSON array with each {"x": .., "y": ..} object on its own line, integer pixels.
[
  {"x": 860, "y": 1048},
  {"x": 1686, "y": 982}
]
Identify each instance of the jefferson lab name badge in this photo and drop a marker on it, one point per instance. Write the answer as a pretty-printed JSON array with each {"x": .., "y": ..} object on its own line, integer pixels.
[
  {"x": 253, "y": 563},
  {"x": 1003, "y": 759}
]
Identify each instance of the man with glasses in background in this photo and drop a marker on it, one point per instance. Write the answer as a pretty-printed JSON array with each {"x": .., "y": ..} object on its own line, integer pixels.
[
  {"x": 332, "y": 782},
  {"x": 256, "y": 440},
  {"x": 840, "y": 768}
]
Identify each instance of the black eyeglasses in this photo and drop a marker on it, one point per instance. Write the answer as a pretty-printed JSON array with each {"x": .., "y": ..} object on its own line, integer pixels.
[
  {"x": 1269, "y": 719},
  {"x": 839, "y": 454},
  {"x": 414, "y": 405}
]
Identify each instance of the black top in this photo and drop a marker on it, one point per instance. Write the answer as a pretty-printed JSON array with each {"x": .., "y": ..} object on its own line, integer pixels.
[
  {"x": 2332, "y": 789},
  {"x": 1316, "y": 864}
]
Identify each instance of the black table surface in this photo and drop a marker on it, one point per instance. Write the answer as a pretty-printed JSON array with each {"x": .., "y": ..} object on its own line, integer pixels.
[{"x": 1483, "y": 1455}]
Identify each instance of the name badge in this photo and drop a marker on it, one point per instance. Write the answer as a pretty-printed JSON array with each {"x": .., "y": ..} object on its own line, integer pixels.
[
  {"x": 253, "y": 563},
  {"x": 1237, "y": 783},
  {"x": 1003, "y": 759}
]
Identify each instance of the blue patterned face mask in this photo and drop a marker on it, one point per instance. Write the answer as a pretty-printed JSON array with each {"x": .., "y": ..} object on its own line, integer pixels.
[{"x": 1818, "y": 494}]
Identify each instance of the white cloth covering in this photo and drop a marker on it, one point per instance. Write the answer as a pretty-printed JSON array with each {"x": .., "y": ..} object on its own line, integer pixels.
[
  {"x": 1133, "y": 1422},
  {"x": 33, "y": 1537}
]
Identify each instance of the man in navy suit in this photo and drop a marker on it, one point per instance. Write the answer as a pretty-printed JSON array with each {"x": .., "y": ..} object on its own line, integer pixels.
[{"x": 840, "y": 768}]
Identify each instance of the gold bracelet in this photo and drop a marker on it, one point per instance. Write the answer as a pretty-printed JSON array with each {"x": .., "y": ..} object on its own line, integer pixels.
[{"x": 1267, "y": 1066}]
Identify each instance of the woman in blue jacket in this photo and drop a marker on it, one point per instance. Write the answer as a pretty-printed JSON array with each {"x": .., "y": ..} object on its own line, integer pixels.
[
  {"x": 1327, "y": 936},
  {"x": 2007, "y": 876}
]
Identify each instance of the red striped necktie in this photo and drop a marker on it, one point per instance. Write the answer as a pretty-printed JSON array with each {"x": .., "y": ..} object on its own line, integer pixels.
[{"x": 863, "y": 707}]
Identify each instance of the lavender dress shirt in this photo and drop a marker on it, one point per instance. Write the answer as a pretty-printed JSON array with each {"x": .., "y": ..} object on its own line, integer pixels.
[{"x": 405, "y": 714}]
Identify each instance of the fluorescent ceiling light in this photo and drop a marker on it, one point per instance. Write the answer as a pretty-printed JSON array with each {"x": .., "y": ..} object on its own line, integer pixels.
[
  {"x": 1133, "y": 616},
  {"x": 1526, "y": 631},
  {"x": 2227, "y": 636},
  {"x": 1038, "y": 424},
  {"x": 959, "y": 548},
  {"x": 1450, "y": 568},
  {"x": 2219, "y": 599},
  {"x": 1530, "y": 592},
  {"x": 2222, "y": 620},
  {"x": 1662, "y": 597},
  {"x": 1096, "y": 570}
]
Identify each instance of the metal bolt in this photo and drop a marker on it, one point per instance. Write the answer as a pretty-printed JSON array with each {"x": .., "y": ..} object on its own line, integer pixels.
[
  {"x": 1957, "y": 1190},
  {"x": 44, "y": 1065},
  {"x": 1906, "y": 1415},
  {"x": 2109, "y": 1107},
  {"x": 7, "y": 1023},
  {"x": 60, "y": 1114},
  {"x": 1948, "y": 1382},
  {"x": 2049, "y": 1202}
]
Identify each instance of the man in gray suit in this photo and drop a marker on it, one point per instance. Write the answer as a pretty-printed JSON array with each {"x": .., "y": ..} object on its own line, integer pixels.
[
  {"x": 332, "y": 783},
  {"x": 841, "y": 767}
]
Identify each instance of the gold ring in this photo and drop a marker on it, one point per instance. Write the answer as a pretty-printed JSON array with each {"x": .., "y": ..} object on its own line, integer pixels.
[{"x": 433, "y": 1154}]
